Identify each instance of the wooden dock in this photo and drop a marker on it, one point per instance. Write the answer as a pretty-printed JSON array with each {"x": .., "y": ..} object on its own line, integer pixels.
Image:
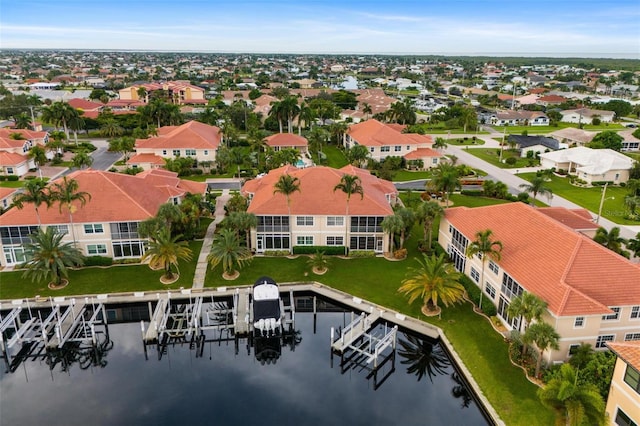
[
  {"x": 66, "y": 324},
  {"x": 242, "y": 316},
  {"x": 354, "y": 331}
]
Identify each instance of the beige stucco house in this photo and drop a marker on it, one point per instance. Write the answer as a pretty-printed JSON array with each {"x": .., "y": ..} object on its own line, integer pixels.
[
  {"x": 387, "y": 140},
  {"x": 623, "y": 403},
  {"x": 317, "y": 215},
  {"x": 590, "y": 165},
  {"x": 15, "y": 145},
  {"x": 193, "y": 139},
  {"x": 586, "y": 115},
  {"x": 107, "y": 225},
  {"x": 179, "y": 92},
  {"x": 592, "y": 293}
]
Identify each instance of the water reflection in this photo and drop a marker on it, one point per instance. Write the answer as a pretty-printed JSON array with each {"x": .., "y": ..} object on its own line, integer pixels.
[{"x": 424, "y": 357}]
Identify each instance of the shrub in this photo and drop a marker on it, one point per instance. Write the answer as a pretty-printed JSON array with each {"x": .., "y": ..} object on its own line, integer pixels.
[
  {"x": 362, "y": 253},
  {"x": 3, "y": 178},
  {"x": 197, "y": 171},
  {"x": 472, "y": 192},
  {"x": 602, "y": 182},
  {"x": 473, "y": 291},
  {"x": 30, "y": 177},
  {"x": 327, "y": 250},
  {"x": 511, "y": 161},
  {"x": 400, "y": 253},
  {"x": 623, "y": 184},
  {"x": 524, "y": 197},
  {"x": 98, "y": 261},
  {"x": 13, "y": 178},
  {"x": 276, "y": 253}
]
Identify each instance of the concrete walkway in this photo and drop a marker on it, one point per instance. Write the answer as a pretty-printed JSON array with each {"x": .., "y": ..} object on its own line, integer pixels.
[{"x": 201, "y": 266}]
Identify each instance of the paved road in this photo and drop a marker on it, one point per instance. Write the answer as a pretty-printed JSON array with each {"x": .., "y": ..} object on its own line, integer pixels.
[{"x": 103, "y": 159}]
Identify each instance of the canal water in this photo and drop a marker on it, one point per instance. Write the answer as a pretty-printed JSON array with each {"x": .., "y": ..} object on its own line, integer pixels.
[{"x": 295, "y": 382}]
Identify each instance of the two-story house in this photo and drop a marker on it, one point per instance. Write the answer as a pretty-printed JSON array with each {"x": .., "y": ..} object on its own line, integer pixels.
[
  {"x": 107, "y": 225},
  {"x": 592, "y": 293},
  {"x": 178, "y": 92},
  {"x": 193, "y": 139},
  {"x": 623, "y": 402},
  {"x": 15, "y": 145},
  {"x": 387, "y": 140},
  {"x": 318, "y": 215}
]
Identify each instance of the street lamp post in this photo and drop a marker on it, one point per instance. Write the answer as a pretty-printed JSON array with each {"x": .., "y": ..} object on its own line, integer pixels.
[{"x": 602, "y": 200}]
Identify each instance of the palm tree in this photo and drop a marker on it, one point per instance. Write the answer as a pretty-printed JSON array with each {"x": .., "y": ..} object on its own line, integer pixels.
[
  {"x": 610, "y": 239},
  {"x": 392, "y": 225},
  {"x": 634, "y": 245},
  {"x": 59, "y": 113},
  {"x": 49, "y": 257},
  {"x": 574, "y": 404},
  {"x": 434, "y": 279},
  {"x": 408, "y": 220},
  {"x": 423, "y": 356},
  {"x": 33, "y": 192},
  {"x": 278, "y": 113},
  {"x": 111, "y": 128},
  {"x": 76, "y": 123},
  {"x": 318, "y": 262},
  {"x": 486, "y": 248},
  {"x": 226, "y": 249},
  {"x": 528, "y": 307},
  {"x": 82, "y": 159},
  {"x": 306, "y": 115},
  {"x": 537, "y": 186},
  {"x": 290, "y": 110},
  {"x": 66, "y": 192},
  {"x": 581, "y": 355},
  {"x": 357, "y": 155},
  {"x": 440, "y": 144},
  {"x": 22, "y": 121},
  {"x": 165, "y": 251},
  {"x": 545, "y": 337},
  {"x": 243, "y": 221},
  {"x": 39, "y": 157},
  {"x": 349, "y": 184},
  {"x": 445, "y": 179},
  {"x": 287, "y": 185},
  {"x": 366, "y": 110},
  {"x": 427, "y": 213}
]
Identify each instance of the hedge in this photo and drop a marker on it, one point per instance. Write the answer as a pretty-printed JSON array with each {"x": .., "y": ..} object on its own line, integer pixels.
[
  {"x": 13, "y": 178},
  {"x": 472, "y": 192},
  {"x": 98, "y": 261},
  {"x": 328, "y": 250}
]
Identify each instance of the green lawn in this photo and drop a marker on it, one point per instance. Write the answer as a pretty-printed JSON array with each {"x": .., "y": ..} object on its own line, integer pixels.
[
  {"x": 469, "y": 201},
  {"x": 491, "y": 155},
  {"x": 589, "y": 198},
  {"x": 11, "y": 183},
  {"x": 407, "y": 175},
  {"x": 124, "y": 278},
  {"x": 534, "y": 130},
  {"x": 335, "y": 156}
]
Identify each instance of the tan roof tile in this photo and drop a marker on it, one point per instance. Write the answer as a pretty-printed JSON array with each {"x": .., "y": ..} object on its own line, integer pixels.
[
  {"x": 628, "y": 351},
  {"x": 193, "y": 135}
]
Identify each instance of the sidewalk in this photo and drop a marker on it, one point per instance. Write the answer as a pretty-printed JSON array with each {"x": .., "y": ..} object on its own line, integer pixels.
[{"x": 201, "y": 266}]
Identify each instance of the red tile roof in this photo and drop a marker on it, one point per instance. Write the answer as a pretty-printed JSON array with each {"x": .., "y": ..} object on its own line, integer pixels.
[
  {"x": 572, "y": 273},
  {"x": 552, "y": 99},
  {"x": 85, "y": 105},
  {"x": 115, "y": 197},
  {"x": 578, "y": 219},
  {"x": 628, "y": 351},
  {"x": 286, "y": 139},
  {"x": 26, "y": 134},
  {"x": 11, "y": 158},
  {"x": 193, "y": 135},
  {"x": 6, "y": 192},
  {"x": 374, "y": 133},
  {"x": 422, "y": 153},
  {"x": 316, "y": 195},
  {"x": 146, "y": 158}
]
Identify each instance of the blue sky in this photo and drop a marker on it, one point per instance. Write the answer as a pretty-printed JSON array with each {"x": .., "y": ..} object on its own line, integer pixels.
[{"x": 590, "y": 28}]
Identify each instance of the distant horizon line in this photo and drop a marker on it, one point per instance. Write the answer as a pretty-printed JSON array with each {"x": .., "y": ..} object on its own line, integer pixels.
[{"x": 533, "y": 55}]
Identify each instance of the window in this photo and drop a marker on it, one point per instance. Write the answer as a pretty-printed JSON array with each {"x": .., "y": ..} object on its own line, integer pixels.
[
  {"x": 490, "y": 290},
  {"x": 635, "y": 312},
  {"x": 62, "y": 229},
  {"x": 366, "y": 223},
  {"x": 579, "y": 322},
  {"x": 385, "y": 149},
  {"x": 93, "y": 228},
  {"x": 176, "y": 153},
  {"x": 304, "y": 220},
  {"x": 366, "y": 243},
  {"x": 434, "y": 161},
  {"x": 614, "y": 316},
  {"x": 408, "y": 147},
  {"x": 475, "y": 275},
  {"x": 275, "y": 241},
  {"x": 335, "y": 241},
  {"x": 304, "y": 240},
  {"x": 335, "y": 221},
  {"x": 602, "y": 339},
  {"x": 273, "y": 224},
  {"x": 631, "y": 337},
  {"x": 93, "y": 249},
  {"x": 397, "y": 148},
  {"x": 128, "y": 249},
  {"x": 372, "y": 149},
  {"x": 493, "y": 267},
  {"x": 573, "y": 349},
  {"x": 622, "y": 419},
  {"x": 124, "y": 230},
  {"x": 632, "y": 378},
  {"x": 17, "y": 234},
  {"x": 164, "y": 152},
  {"x": 190, "y": 152},
  {"x": 9, "y": 170},
  {"x": 510, "y": 287}
]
